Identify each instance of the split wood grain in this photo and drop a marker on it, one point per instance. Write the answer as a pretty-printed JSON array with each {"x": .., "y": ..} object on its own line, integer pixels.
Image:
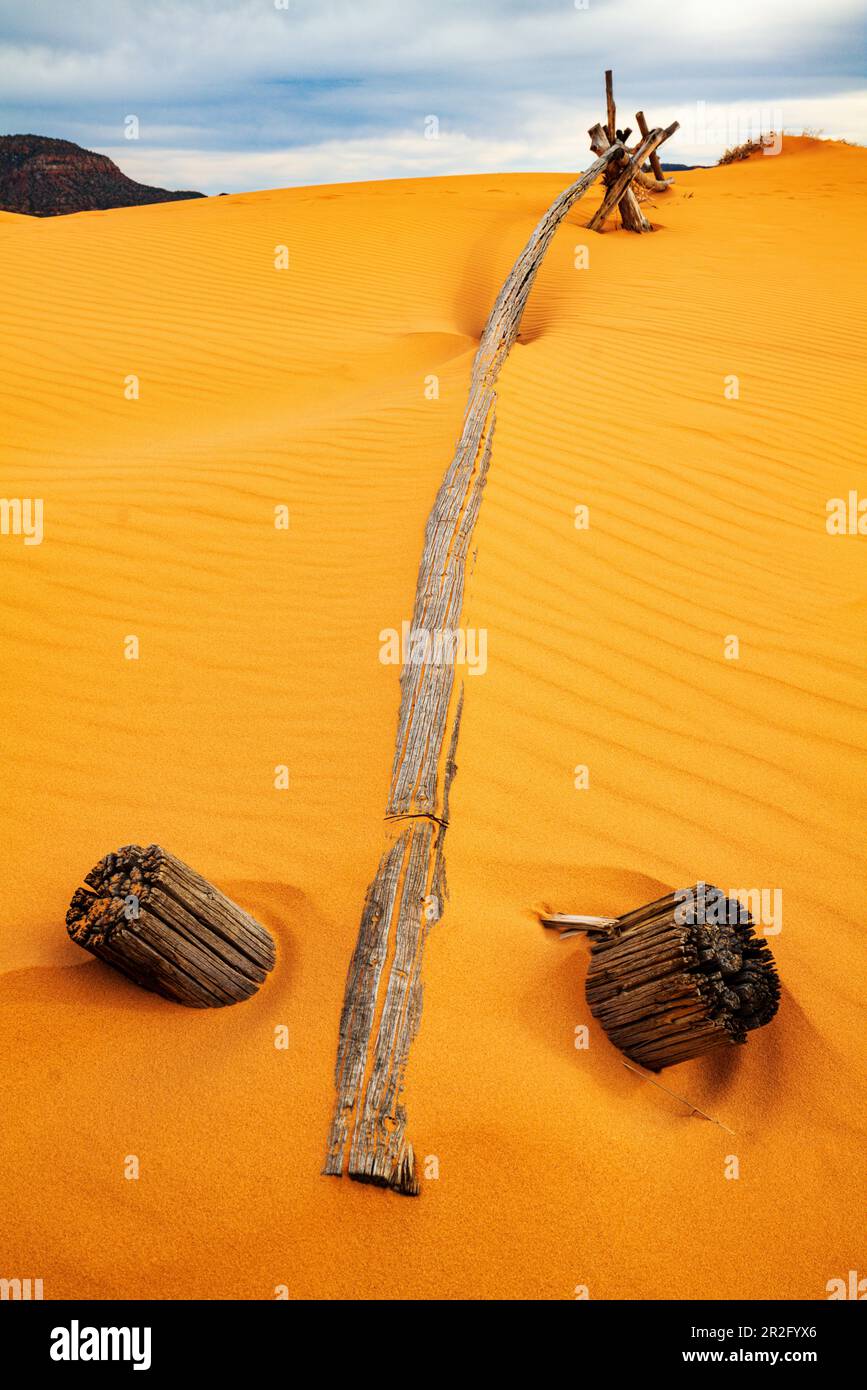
[
  {"x": 166, "y": 928},
  {"x": 383, "y": 996}
]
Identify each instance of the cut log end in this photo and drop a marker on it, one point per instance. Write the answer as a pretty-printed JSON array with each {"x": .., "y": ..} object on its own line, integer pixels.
[
  {"x": 167, "y": 929},
  {"x": 667, "y": 989}
]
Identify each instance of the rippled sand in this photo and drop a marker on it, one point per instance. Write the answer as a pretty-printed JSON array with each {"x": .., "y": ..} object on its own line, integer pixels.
[{"x": 260, "y": 647}]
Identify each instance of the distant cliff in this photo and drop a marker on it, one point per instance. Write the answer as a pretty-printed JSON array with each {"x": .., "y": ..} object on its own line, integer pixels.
[{"x": 47, "y": 178}]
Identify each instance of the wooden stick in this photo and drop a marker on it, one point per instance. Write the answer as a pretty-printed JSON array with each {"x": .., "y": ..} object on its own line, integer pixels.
[
  {"x": 383, "y": 998},
  {"x": 610, "y": 107},
  {"x": 654, "y": 157},
  {"x": 166, "y": 928},
  {"x": 627, "y": 174}
]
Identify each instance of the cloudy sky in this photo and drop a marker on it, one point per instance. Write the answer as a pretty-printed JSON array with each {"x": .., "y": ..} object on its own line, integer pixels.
[{"x": 240, "y": 94}]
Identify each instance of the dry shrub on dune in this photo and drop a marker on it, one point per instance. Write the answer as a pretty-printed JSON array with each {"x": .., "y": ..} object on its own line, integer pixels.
[{"x": 749, "y": 147}]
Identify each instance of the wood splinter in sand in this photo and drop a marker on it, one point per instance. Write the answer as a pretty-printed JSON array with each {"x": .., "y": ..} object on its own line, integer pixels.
[
  {"x": 383, "y": 997},
  {"x": 678, "y": 977},
  {"x": 167, "y": 929}
]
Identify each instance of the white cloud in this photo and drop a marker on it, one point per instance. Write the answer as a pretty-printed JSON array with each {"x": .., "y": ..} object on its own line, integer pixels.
[
  {"x": 141, "y": 48},
  {"x": 230, "y": 90},
  {"x": 553, "y": 138}
]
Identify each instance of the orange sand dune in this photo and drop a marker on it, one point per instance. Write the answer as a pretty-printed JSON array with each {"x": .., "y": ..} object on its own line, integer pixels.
[{"x": 306, "y": 387}]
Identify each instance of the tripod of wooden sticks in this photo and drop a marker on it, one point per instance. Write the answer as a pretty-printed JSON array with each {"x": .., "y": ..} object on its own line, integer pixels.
[{"x": 622, "y": 174}]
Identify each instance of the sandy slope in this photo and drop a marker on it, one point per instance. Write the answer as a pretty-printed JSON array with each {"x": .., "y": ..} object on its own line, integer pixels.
[{"x": 258, "y": 647}]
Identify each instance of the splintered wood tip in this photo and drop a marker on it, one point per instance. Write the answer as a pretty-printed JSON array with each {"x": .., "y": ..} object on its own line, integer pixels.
[
  {"x": 567, "y": 923},
  {"x": 404, "y": 1179}
]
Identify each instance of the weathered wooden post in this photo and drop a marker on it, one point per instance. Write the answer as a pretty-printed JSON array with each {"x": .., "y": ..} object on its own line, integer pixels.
[
  {"x": 167, "y": 929},
  {"x": 655, "y": 165},
  {"x": 610, "y": 108},
  {"x": 678, "y": 977}
]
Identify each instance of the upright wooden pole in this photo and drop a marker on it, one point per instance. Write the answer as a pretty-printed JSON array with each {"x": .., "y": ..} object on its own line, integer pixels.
[
  {"x": 610, "y": 107},
  {"x": 654, "y": 158}
]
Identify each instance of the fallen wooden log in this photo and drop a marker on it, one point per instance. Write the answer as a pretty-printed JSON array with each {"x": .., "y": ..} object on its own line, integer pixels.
[
  {"x": 626, "y": 173},
  {"x": 383, "y": 997},
  {"x": 678, "y": 977},
  {"x": 166, "y": 928}
]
